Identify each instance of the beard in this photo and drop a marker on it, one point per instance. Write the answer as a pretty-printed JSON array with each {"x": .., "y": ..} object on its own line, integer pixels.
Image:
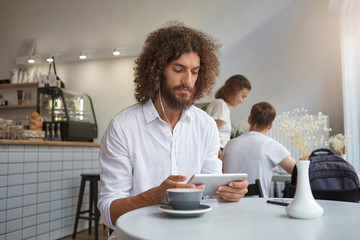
[{"x": 177, "y": 102}]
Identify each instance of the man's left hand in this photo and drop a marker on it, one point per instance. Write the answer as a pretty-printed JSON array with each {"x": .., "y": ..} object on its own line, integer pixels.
[{"x": 234, "y": 191}]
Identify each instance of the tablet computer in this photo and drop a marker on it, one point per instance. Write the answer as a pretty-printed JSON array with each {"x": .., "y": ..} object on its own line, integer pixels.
[{"x": 212, "y": 181}]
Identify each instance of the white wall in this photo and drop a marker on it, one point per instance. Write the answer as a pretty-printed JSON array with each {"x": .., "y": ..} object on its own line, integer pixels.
[
  {"x": 293, "y": 60},
  {"x": 289, "y": 50},
  {"x": 109, "y": 83}
]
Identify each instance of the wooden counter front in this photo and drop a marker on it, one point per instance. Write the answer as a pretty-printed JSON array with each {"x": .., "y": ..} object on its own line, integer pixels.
[{"x": 48, "y": 143}]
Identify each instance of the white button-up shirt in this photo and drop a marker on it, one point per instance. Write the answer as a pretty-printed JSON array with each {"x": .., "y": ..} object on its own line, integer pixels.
[{"x": 139, "y": 151}]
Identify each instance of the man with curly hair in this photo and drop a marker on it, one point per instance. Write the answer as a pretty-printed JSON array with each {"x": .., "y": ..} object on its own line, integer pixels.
[{"x": 163, "y": 140}]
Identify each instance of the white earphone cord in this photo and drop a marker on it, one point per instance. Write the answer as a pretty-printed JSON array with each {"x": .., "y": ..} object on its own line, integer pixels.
[{"x": 162, "y": 107}]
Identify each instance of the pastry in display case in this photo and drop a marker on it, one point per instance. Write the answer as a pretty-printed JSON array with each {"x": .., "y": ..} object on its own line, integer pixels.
[{"x": 67, "y": 116}]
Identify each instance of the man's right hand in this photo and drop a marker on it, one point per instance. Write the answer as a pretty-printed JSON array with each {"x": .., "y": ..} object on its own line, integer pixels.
[
  {"x": 173, "y": 181},
  {"x": 151, "y": 197}
]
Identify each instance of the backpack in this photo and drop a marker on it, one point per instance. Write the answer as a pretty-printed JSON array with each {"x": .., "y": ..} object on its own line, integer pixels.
[{"x": 331, "y": 178}]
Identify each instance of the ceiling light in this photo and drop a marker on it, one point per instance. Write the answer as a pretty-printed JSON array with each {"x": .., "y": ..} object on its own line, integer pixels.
[
  {"x": 31, "y": 60},
  {"x": 116, "y": 52},
  {"x": 50, "y": 59},
  {"x": 82, "y": 56}
]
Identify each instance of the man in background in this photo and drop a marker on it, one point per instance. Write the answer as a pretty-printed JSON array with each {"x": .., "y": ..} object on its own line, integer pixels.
[{"x": 255, "y": 153}]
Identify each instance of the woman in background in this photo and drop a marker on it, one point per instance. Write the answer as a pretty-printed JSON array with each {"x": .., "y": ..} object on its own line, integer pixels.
[{"x": 232, "y": 93}]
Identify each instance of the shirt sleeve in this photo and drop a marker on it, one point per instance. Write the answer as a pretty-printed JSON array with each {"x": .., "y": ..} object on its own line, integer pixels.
[
  {"x": 116, "y": 170},
  {"x": 218, "y": 110},
  {"x": 277, "y": 152}
]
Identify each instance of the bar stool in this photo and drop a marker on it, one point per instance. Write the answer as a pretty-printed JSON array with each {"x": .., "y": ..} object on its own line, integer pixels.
[{"x": 93, "y": 211}]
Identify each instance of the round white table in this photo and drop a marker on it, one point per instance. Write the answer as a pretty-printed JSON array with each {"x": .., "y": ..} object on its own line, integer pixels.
[{"x": 251, "y": 218}]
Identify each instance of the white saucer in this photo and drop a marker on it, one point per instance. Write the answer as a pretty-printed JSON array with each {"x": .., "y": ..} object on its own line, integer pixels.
[{"x": 185, "y": 213}]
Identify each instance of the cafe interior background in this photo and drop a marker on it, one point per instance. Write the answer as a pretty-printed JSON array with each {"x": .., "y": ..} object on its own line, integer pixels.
[{"x": 295, "y": 54}]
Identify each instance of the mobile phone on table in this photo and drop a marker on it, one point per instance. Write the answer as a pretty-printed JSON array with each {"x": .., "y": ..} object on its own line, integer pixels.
[{"x": 280, "y": 201}]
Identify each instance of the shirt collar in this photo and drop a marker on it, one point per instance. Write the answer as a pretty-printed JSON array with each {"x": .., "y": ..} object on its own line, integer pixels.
[{"x": 151, "y": 114}]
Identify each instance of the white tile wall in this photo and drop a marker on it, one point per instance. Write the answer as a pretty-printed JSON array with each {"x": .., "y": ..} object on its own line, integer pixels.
[
  {"x": 13, "y": 225},
  {"x": 39, "y": 187},
  {"x": 14, "y": 202},
  {"x": 3, "y": 192},
  {"x": 31, "y": 156},
  {"x": 2, "y": 216},
  {"x": 29, "y": 211},
  {"x": 3, "y": 181},
  {"x": 15, "y": 213},
  {"x": 16, "y": 235},
  {"x": 3, "y": 168},
  {"x": 15, "y": 179},
  {"x": 30, "y": 188},
  {"x": 2, "y": 229},
  {"x": 30, "y": 167},
  {"x": 29, "y": 221},
  {"x": 30, "y": 178},
  {"x": 4, "y": 156},
  {"x": 15, "y": 168},
  {"x": 55, "y": 205},
  {"x": 29, "y": 199},
  {"x": 55, "y": 234},
  {"x": 2, "y": 204},
  {"x": 43, "y": 218},
  {"x": 29, "y": 232},
  {"x": 15, "y": 191},
  {"x": 15, "y": 157}
]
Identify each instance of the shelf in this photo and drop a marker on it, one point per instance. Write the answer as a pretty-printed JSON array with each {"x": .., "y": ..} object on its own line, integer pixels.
[
  {"x": 18, "y": 106},
  {"x": 19, "y": 85}
]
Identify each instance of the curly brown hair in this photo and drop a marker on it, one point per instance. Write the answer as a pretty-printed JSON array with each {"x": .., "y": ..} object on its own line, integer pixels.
[
  {"x": 232, "y": 86},
  {"x": 167, "y": 44}
]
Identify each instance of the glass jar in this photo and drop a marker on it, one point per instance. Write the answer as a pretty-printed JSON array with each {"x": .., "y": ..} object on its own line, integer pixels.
[
  {"x": 8, "y": 129},
  {"x": 2, "y": 128},
  {"x": 18, "y": 131},
  {"x": 27, "y": 98}
]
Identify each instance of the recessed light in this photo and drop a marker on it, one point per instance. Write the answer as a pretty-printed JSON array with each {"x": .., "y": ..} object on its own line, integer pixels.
[
  {"x": 116, "y": 52},
  {"x": 82, "y": 56},
  {"x": 50, "y": 59},
  {"x": 31, "y": 60}
]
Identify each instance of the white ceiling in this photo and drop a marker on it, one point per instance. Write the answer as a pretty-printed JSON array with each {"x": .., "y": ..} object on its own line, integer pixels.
[{"x": 66, "y": 25}]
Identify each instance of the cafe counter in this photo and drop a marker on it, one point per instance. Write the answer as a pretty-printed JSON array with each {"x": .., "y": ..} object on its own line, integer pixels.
[
  {"x": 39, "y": 186},
  {"x": 48, "y": 143}
]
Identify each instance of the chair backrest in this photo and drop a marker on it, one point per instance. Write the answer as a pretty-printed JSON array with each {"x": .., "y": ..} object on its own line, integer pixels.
[
  {"x": 255, "y": 189},
  {"x": 331, "y": 178}
]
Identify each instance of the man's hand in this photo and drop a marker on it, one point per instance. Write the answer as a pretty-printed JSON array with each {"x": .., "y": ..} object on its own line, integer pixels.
[
  {"x": 234, "y": 191},
  {"x": 172, "y": 181},
  {"x": 151, "y": 197}
]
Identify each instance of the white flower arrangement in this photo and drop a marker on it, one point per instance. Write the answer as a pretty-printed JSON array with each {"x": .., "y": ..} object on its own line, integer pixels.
[
  {"x": 305, "y": 132},
  {"x": 338, "y": 143}
]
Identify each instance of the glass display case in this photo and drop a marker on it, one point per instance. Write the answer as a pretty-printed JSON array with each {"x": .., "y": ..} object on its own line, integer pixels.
[{"x": 72, "y": 114}]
